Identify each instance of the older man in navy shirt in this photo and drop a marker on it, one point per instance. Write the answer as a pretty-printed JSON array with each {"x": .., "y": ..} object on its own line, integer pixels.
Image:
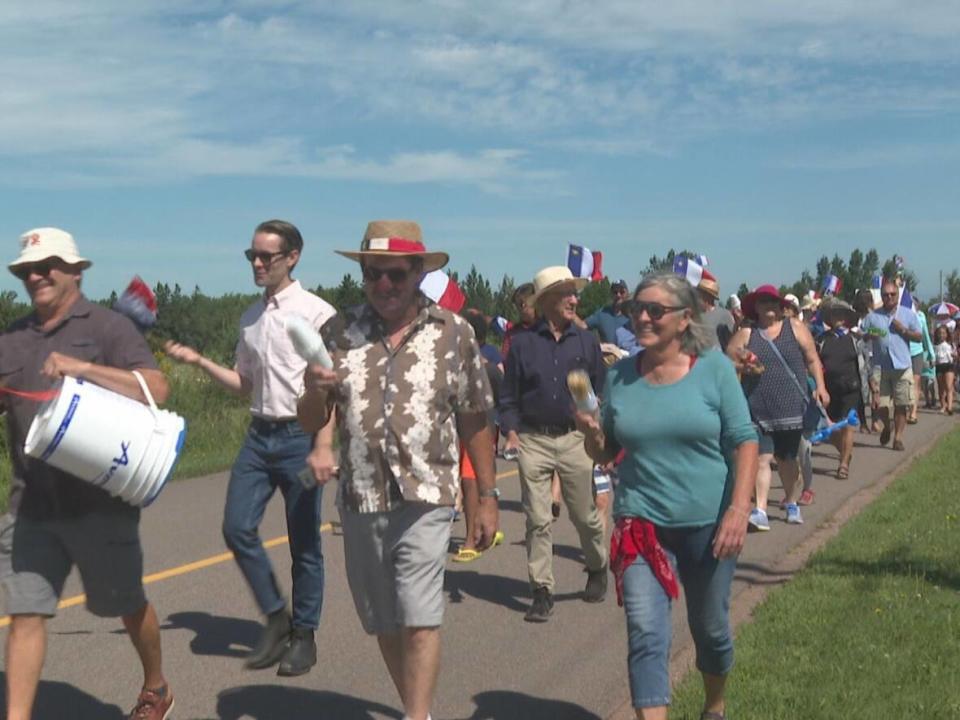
[{"x": 536, "y": 412}]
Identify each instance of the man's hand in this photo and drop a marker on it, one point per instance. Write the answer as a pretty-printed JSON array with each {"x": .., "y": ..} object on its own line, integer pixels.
[
  {"x": 322, "y": 463},
  {"x": 823, "y": 397},
  {"x": 318, "y": 379},
  {"x": 488, "y": 522},
  {"x": 182, "y": 353},
  {"x": 57, "y": 365}
]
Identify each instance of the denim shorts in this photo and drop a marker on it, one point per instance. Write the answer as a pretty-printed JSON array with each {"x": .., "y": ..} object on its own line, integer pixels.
[
  {"x": 37, "y": 555},
  {"x": 706, "y": 586},
  {"x": 395, "y": 563}
]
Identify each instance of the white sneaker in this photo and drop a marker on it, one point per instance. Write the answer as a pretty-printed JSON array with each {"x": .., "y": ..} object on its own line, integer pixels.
[
  {"x": 793, "y": 514},
  {"x": 758, "y": 520}
]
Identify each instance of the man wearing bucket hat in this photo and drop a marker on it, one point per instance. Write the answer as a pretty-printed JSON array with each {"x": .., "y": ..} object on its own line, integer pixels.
[
  {"x": 275, "y": 451},
  {"x": 57, "y": 520},
  {"x": 536, "y": 412},
  {"x": 717, "y": 319},
  {"x": 407, "y": 383}
]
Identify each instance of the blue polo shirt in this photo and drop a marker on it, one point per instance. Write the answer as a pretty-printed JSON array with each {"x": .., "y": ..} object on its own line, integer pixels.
[
  {"x": 891, "y": 351},
  {"x": 606, "y": 321},
  {"x": 534, "y": 393}
]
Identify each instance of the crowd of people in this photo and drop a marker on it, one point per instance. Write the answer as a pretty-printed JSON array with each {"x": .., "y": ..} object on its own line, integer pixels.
[{"x": 698, "y": 401}]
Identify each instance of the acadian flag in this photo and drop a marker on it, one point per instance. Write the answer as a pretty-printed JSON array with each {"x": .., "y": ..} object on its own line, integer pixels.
[
  {"x": 585, "y": 263},
  {"x": 138, "y": 303},
  {"x": 831, "y": 285},
  {"x": 438, "y": 286},
  {"x": 690, "y": 270},
  {"x": 906, "y": 299},
  {"x": 701, "y": 260},
  {"x": 875, "y": 285},
  {"x": 500, "y": 325}
]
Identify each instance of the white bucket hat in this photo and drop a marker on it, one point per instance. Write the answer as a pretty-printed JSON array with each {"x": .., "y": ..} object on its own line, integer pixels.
[
  {"x": 552, "y": 277},
  {"x": 42, "y": 243}
]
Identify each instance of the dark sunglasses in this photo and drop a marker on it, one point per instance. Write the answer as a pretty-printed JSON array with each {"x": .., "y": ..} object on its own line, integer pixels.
[
  {"x": 654, "y": 310},
  {"x": 395, "y": 275},
  {"x": 41, "y": 268},
  {"x": 262, "y": 255}
]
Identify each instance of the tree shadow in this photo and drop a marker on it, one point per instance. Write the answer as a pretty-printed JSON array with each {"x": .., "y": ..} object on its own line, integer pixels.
[
  {"x": 216, "y": 635},
  {"x": 509, "y": 593},
  {"x": 506, "y": 705},
  {"x": 63, "y": 701},
  {"x": 897, "y": 561},
  {"x": 276, "y": 702}
]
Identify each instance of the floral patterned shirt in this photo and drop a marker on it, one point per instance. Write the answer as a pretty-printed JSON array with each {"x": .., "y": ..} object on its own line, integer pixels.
[{"x": 397, "y": 407}]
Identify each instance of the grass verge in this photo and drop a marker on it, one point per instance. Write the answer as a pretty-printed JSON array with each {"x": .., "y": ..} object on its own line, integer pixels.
[{"x": 871, "y": 627}]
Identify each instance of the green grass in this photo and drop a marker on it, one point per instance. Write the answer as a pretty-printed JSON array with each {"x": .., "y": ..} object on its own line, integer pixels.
[
  {"x": 871, "y": 628},
  {"x": 216, "y": 422}
]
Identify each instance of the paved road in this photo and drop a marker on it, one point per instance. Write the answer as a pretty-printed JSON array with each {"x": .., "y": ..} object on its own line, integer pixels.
[{"x": 496, "y": 666}]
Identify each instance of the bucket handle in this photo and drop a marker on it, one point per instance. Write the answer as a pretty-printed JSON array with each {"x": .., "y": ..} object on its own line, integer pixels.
[{"x": 146, "y": 392}]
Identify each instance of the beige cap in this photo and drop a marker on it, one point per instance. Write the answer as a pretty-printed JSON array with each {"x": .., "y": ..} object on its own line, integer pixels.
[{"x": 42, "y": 243}]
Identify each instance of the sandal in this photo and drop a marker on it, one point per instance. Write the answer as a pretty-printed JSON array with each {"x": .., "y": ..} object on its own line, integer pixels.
[
  {"x": 843, "y": 472},
  {"x": 465, "y": 555}
]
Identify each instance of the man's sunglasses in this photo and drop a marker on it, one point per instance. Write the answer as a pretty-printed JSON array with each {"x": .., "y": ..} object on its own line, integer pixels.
[
  {"x": 41, "y": 268},
  {"x": 654, "y": 310},
  {"x": 262, "y": 255},
  {"x": 396, "y": 275}
]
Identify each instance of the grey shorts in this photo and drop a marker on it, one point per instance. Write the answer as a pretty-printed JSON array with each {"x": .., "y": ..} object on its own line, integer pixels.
[
  {"x": 395, "y": 562},
  {"x": 917, "y": 364},
  {"x": 36, "y": 557}
]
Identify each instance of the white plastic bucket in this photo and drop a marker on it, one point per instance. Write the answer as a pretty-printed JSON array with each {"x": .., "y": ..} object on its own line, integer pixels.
[{"x": 117, "y": 443}]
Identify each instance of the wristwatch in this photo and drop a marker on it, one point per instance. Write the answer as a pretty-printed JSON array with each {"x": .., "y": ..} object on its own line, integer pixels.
[{"x": 492, "y": 492}]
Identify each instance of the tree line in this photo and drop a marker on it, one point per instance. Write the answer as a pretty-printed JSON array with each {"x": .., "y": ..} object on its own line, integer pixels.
[{"x": 210, "y": 323}]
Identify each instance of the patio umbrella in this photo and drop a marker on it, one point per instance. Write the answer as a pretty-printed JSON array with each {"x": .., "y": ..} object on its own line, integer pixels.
[{"x": 944, "y": 308}]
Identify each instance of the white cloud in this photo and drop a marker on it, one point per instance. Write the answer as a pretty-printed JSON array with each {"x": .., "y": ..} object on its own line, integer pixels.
[{"x": 160, "y": 90}]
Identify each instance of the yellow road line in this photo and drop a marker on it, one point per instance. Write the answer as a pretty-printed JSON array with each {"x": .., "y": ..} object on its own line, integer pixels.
[{"x": 201, "y": 564}]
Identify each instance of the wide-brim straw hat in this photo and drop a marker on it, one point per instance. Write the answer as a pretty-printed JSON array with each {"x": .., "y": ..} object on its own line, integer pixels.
[
  {"x": 553, "y": 277},
  {"x": 44, "y": 243},
  {"x": 709, "y": 285},
  {"x": 833, "y": 310},
  {"x": 396, "y": 238},
  {"x": 767, "y": 291}
]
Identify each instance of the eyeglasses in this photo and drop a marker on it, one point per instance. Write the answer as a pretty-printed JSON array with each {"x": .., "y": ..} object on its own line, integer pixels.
[
  {"x": 262, "y": 255},
  {"x": 41, "y": 268},
  {"x": 396, "y": 275},
  {"x": 654, "y": 310}
]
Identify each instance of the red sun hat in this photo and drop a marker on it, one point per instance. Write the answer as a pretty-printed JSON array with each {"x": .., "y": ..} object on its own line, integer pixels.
[{"x": 764, "y": 291}]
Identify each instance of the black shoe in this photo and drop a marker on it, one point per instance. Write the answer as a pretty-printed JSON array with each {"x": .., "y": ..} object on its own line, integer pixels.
[
  {"x": 301, "y": 654},
  {"x": 885, "y": 435},
  {"x": 272, "y": 643},
  {"x": 555, "y": 510},
  {"x": 596, "y": 589},
  {"x": 541, "y": 608}
]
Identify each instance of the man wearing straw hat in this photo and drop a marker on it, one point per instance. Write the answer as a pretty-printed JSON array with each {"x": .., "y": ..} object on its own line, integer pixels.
[
  {"x": 56, "y": 520},
  {"x": 275, "y": 451},
  {"x": 407, "y": 383},
  {"x": 536, "y": 412},
  {"x": 718, "y": 319}
]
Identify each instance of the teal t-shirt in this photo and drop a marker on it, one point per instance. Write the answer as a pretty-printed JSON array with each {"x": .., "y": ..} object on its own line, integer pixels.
[{"x": 675, "y": 469}]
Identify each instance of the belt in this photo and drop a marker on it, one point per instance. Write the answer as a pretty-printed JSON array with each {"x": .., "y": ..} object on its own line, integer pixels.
[
  {"x": 551, "y": 430},
  {"x": 269, "y": 425}
]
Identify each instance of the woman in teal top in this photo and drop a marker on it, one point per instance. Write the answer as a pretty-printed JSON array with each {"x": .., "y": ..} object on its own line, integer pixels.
[{"x": 677, "y": 412}]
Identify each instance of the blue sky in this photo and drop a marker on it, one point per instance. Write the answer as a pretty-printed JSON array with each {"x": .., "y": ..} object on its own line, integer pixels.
[{"x": 761, "y": 134}]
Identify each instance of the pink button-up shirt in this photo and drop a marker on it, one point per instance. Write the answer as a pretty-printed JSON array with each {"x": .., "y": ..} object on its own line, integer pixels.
[{"x": 265, "y": 355}]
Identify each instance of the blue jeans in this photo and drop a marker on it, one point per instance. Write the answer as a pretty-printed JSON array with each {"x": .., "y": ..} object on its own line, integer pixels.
[
  {"x": 272, "y": 455},
  {"x": 706, "y": 585}
]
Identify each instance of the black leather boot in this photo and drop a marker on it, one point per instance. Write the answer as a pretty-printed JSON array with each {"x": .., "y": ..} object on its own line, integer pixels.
[
  {"x": 301, "y": 654},
  {"x": 272, "y": 643}
]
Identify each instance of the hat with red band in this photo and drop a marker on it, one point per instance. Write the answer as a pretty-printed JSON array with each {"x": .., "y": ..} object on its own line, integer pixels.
[{"x": 396, "y": 238}]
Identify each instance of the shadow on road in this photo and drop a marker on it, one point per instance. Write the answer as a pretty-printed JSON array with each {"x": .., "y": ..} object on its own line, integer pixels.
[
  {"x": 510, "y": 593},
  {"x": 214, "y": 634},
  {"x": 65, "y": 702},
  {"x": 505, "y": 705},
  {"x": 275, "y": 702}
]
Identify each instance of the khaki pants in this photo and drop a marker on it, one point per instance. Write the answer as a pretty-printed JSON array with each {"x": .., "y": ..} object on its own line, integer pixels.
[{"x": 540, "y": 456}]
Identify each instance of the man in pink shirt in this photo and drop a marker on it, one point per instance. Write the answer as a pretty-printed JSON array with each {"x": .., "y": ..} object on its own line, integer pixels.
[{"x": 275, "y": 451}]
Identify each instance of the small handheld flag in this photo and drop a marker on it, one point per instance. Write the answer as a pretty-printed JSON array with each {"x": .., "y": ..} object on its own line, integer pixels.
[
  {"x": 585, "y": 263},
  {"x": 438, "y": 286},
  {"x": 690, "y": 270},
  {"x": 138, "y": 303},
  {"x": 831, "y": 285}
]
